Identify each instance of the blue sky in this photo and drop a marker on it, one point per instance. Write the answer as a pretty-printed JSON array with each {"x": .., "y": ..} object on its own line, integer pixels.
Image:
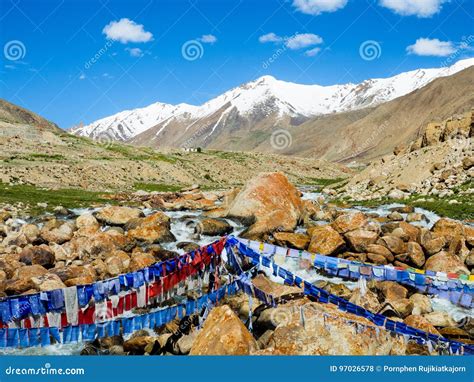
[{"x": 76, "y": 61}]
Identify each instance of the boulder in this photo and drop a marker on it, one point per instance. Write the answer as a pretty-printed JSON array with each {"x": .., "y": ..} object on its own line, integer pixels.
[
  {"x": 393, "y": 291},
  {"x": 415, "y": 217},
  {"x": 440, "y": 319},
  {"x": 397, "y": 194},
  {"x": 360, "y": 239},
  {"x": 187, "y": 246},
  {"x": 395, "y": 216},
  {"x": 76, "y": 274},
  {"x": 40, "y": 255},
  {"x": 48, "y": 281},
  {"x": 458, "y": 247},
  {"x": 415, "y": 254},
  {"x": 325, "y": 241},
  {"x": 394, "y": 244},
  {"x": 31, "y": 232},
  {"x": 412, "y": 232},
  {"x": 292, "y": 240},
  {"x": 151, "y": 229},
  {"x": 403, "y": 306},
  {"x": 213, "y": 227},
  {"x": 349, "y": 222},
  {"x": 223, "y": 334},
  {"x": 403, "y": 209},
  {"x": 367, "y": 300},
  {"x": 419, "y": 322},
  {"x": 23, "y": 279},
  {"x": 115, "y": 215},
  {"x": 137, "y": 345},
  {"x": 467, "y": 163},
  {"x": 88, "y": 221},
  {"x": 446, "y": 262},
  {"x": 448, "y": 228},
  {"x": 376, "y": 259},
  {"x": 421, "y": 304},
  {"x": 117, "y": 262},
  {"x": 57, "y": 231},
  {"x": 325, "y": 331},
  {"x": 141, "y": 260},
  {"x": 270, "y": 202},
  {"x": 434, "y": 245},
  {"x": 378, "y": 249},
  {"x": 275, "y": 289}
]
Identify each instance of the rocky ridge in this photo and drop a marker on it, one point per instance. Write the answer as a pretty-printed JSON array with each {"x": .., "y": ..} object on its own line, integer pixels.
[{"x": 438, "y": 162}]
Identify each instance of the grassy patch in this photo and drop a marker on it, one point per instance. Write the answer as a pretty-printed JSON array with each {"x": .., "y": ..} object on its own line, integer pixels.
[
  {"x": 46, "y": 156},
  {"x": 229, "y": 155},
  {"x": 31, "y": 196},
  {"x": 157, "y": 187},
  {"x": 321, "y": 183},
  {"x": 441, "y": 206},
  {"x": 139, "y": 153}
]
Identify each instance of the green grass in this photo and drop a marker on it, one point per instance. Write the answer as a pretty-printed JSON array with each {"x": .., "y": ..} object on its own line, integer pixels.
[
  {"x": 139, "y": 153},
  {"x": 157, "y": 187},
  {"x": 47, "y": 156},
  {"x": 462, "y": 211},
  {"x": 320, "y": 183},
  {"x": 31, "y": 196},
  {"x": 228, "y": 155}
]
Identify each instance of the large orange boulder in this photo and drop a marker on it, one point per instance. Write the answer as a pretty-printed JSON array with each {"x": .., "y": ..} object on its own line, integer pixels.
[{"x": 270, "y": 202}]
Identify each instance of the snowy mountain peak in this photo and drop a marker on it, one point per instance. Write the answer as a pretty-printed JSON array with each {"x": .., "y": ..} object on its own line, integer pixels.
[{"x": 269, "y": 96}]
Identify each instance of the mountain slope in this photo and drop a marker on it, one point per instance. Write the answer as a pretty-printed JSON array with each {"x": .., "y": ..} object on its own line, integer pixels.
[
  {"x": 260, "y": 106},
  {"x": 371, "y": 133},
  {"x": 13, "y": 114}
]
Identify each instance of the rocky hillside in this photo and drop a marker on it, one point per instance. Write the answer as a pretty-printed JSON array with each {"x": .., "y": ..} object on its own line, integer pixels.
[
  {"x": 14, "y": 119},
  {"x": 43, "y": 155},
  {"x": 439, "y": 162}
]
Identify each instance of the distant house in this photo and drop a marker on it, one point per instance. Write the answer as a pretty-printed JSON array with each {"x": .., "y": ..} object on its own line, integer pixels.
[{"x": 191, "y": 149}]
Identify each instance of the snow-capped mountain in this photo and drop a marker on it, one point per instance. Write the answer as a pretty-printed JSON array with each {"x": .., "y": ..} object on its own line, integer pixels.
[{"x": 263, "y": 98}]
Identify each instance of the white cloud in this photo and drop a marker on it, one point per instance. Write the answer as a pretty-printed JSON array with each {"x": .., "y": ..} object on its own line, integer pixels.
[
  {"x": 82, "y": 76},
  {"x": 302, "y": 40},
  {"x": 208, "y": 39},
  {"x": 420, "y": 8},
  {"x": 431, "y": 47},
  {"x": 135, "y": 52},
  {"x": 312, "y": 52},
  {"x": 316, "y": 7},
  {"x": 270, "y": 37},
  {"x": 125, "y": 31}
]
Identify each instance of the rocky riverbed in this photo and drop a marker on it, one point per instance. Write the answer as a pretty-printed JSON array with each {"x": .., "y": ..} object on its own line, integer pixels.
[{"x": 76, "y": 247}]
